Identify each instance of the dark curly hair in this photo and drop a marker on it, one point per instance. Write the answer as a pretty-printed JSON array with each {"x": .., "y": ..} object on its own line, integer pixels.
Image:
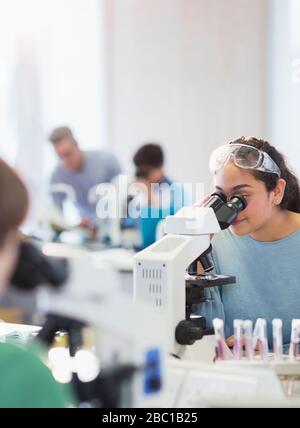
[{"x": 291, "y": 199}]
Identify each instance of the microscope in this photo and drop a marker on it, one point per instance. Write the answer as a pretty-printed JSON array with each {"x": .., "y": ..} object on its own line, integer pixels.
[
  {"x": 172, "y": 274},
  {"x": 126, "y": 342}
]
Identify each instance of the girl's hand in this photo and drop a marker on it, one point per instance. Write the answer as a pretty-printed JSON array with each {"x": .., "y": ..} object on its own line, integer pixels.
[{"x": 230, "y": 343}]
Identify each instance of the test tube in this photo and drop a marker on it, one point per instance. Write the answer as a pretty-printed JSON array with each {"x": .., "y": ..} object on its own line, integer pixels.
[
  {"x": 277, "y": 338},
  {"x": 3, "y": 331},
  {"x": 218, "y": 325},
  {"x": 248, "y": 335},
  {"x": 295, "y": 336},
  {"x": 238, "y": 339},
  {"x": 260, "y": 334}
]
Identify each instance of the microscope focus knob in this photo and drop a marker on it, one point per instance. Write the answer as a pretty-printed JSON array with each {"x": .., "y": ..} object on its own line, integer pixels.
[{"x": 187, "y": 333}]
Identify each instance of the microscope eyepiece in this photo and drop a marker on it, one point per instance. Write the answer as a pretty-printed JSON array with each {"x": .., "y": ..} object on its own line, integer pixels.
[
  {"x": 226, "y": 212},
  {"x": 215, "y": 201},
  {"x": 219, "y": 195},
  {"x": 237, "y": 203}
]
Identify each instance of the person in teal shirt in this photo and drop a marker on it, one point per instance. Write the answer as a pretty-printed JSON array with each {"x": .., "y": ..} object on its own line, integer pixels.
[
  {"x": 261, "y": 248},
  {"x": 25, "y": 382},
  {"x": 163, "y": 196}
]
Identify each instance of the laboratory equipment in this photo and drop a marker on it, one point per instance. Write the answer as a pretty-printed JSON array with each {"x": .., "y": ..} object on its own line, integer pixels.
[
  {"x": 248, "y": 337},
  {"x": 218, "y": 325},
  {"x": 33, "y": 268},
  {"x": 277, "y": 338},
  {"x": 193, "y": 384},
  {"x": 128, "y": 342},
  {"x": 295, "y": 339},
  {"x": 238, "y": 339},
  {"x": 261, "y": 337},
  {"x": 172, "y": 277}
]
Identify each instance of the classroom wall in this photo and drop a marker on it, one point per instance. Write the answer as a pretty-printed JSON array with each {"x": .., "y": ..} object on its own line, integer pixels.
[{"x": 188, "y": 74}]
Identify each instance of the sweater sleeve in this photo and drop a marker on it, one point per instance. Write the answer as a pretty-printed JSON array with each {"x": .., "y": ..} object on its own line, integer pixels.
[{"x": 27, "y": 383}]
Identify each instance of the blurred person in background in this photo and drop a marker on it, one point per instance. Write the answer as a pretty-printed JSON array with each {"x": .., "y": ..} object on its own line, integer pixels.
[
  {"x": 162, "y": 196},
  {"x": 82, "y": 171},
  {"x": 25, "y": 380},
  {"x": 149, "y": 163}
]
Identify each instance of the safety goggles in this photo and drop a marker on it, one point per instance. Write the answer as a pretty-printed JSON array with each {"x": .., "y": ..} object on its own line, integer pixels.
[{"x": 243, "y": 156}]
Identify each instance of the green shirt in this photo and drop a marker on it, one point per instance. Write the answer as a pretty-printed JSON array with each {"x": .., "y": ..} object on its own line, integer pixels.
[{"x": 25, "y": 382}]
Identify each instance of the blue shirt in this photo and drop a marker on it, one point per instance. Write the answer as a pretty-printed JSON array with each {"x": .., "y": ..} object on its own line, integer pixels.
[
  {"x": 152, "y": 216},
  {"x": 99, "y": 167},
  {"x": 267, "y": 281}
]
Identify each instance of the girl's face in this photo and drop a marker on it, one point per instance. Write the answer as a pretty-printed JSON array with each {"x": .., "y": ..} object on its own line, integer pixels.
[
  {"x": 8, "y": 257},
  {"x": 232, "y": 180}
]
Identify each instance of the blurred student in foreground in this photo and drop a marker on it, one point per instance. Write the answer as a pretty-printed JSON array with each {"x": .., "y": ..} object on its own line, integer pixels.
[{"x": 25, "y": 381}]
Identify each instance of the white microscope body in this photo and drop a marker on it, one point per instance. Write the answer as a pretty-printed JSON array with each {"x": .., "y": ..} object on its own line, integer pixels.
[
  {"x": 125, "y": 333},
  {"x": 160, "y": 270},
  {"x": 160, "y": 273}
]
